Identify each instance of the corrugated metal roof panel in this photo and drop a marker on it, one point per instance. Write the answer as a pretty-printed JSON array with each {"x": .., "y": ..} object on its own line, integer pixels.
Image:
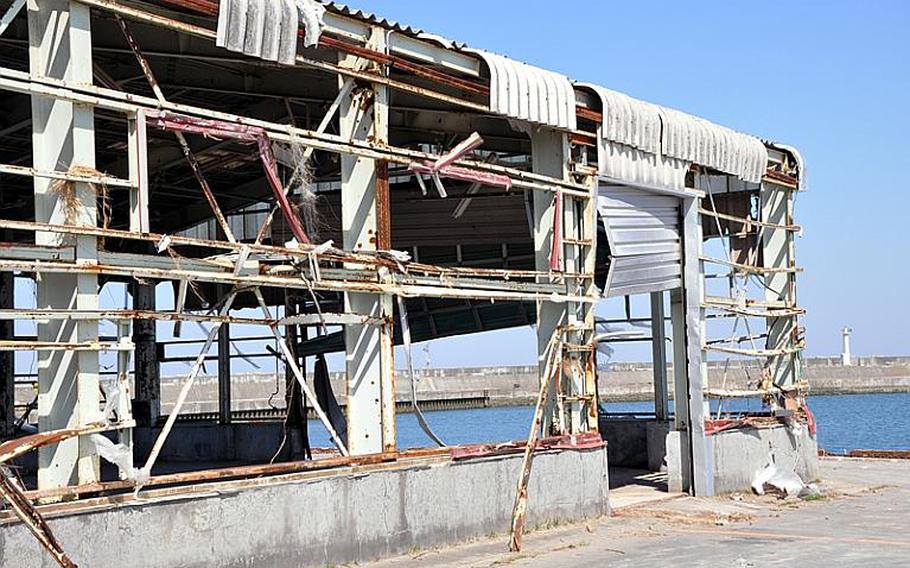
[
  {"x": 671, "y": 134},
  {"x": 526, "y": 92},
  {"x": 345, "y": 10},
  {"x": 629, "y": 121},
  {"x": 631, "y": 165},
  {"x": 702, "y": 142}
]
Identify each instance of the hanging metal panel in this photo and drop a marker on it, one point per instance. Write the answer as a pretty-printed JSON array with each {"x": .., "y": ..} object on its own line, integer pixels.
[
  {"x": 266, "y": 29},
  {"x": 643, "y": 234}
]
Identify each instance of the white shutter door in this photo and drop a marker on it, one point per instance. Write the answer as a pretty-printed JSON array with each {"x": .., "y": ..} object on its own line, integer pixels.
[{"x": 643, "y": 230}]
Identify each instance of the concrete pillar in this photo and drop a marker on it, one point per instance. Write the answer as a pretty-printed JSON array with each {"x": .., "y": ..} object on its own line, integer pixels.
[
  {"x": 60, "y": 47},
  {"x": 7, "y": 358},
  {"x": 365, "y": 225},
  {"x": 224, "y": 374},
  {"x": 700, "y": 451},
  {"x": 147, "y": 369},
  {"x": 550, "y": 154},
  {"x": 659, "y": 356},
  {"x": 777, "y": 251}
]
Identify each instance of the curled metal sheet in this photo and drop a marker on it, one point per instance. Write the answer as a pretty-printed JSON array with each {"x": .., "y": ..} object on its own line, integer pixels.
[
  {"x": 529, "y": 93},
  {"x": 797, "y": 157}
]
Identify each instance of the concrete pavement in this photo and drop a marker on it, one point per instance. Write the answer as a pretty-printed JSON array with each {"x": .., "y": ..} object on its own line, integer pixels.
[{"x": 861, "y": 520}]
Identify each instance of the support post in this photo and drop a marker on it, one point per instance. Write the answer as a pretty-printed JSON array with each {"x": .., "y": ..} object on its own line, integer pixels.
[
  {"x": 659, "y": 357},
  {"x": 366, "y": 226},
  {"x": 700, "y": 450},
  {"x": 60, "y": 47},
  {"x": 147, "y": 369},
  {"x": 550, "y": 155},
  {"x": 7, "y": 358},
  {"x": 224, "y": 374},
  {"x": 777, "y": 252}
]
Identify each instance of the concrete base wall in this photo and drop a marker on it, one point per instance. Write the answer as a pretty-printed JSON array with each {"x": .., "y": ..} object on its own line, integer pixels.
[
  {"x": 345, "y": 517},
  {"x": 739, "y": 453}
]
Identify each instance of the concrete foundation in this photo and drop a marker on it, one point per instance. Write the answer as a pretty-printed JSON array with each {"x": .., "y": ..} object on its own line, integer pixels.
[
  {"x": 320, "y": 518},
  {"x": 739, "y": 453}
]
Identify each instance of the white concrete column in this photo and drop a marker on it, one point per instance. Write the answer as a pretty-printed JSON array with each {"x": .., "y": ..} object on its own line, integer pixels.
[
  {"x": 700, "y": 449},
  {"x": 550, "y": 154},
  {"x": 60, "y": 47},
  {"x": 364, "y": 193}
]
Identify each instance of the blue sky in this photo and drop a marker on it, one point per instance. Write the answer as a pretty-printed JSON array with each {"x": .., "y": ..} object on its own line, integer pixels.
[{"x": 831, "y": 78}]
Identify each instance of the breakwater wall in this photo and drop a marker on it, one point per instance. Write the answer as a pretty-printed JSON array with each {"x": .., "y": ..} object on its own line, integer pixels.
[{"x": 512, "y": 385}]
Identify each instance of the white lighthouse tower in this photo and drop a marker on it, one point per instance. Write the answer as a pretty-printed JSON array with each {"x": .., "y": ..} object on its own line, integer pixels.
[{"x": 846, "y": 358}]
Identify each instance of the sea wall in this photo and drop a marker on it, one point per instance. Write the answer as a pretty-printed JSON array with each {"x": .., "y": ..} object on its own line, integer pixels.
[{"x": 506, "y": 385}]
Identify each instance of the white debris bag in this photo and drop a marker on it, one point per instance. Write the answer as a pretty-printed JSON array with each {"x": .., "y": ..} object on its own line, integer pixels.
[{"x": 786, "y": 481}]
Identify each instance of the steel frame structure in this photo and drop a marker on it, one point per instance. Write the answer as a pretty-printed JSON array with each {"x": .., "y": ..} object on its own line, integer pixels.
[{"x": 384, "y": 110}]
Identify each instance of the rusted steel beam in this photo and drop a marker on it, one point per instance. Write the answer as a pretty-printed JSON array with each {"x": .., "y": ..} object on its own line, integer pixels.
[
  {"x": 747, "y": 222},
  {"x": 588, "y": 114},
  {"x": 242, "y": 132},
  {"x": 22, "y": 345},
  {"x": 27, "y": 513},
  {"x": 552, "y": 370},
  {"x": 261, "y": 473},
  {"x": 302, "y": 253},
  {"x": 383, "y": 207},
  {"x": 73, "y": 176},
  {"x": 880, "y": 454},
  {"x": 17, "y": 447},
  {"x": 781, "y": 178}
]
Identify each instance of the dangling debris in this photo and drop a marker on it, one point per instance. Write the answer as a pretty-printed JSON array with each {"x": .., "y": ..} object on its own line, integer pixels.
[
  {"x": 326, "y": 398},
  {"x": 268, "y": 29}
]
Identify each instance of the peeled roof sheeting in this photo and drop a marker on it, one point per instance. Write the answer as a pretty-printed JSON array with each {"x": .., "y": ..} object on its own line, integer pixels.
[{"x": 526, "y": 92}]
